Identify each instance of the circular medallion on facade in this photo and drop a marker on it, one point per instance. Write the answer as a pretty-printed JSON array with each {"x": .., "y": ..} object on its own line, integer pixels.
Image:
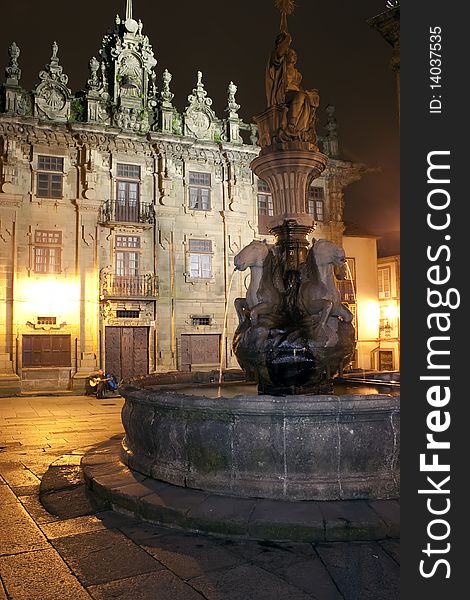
[{"x": 198, "y": 122}]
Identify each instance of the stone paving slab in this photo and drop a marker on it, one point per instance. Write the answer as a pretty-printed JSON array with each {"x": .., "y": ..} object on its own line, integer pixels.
[
  {"x": 18, "y": 532},
  {"x": 41, "y": 574},
  {"x": 102, "y": 556},
  {"x": 189, "y": 555},
  {"x": 72, "y": 526},
  {"x": 145, "y": 588},
  {"x": 198, "y": 511},
  {"x": 246, "y": 581},
  {"x": 376, "y": 573},
  {"x": 392, "y": 548}
]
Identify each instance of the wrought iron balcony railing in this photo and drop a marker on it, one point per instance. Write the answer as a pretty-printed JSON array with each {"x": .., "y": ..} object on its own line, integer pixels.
[
  {"x": 115, "y": 211},
  {"x": 129, "y": 286}
]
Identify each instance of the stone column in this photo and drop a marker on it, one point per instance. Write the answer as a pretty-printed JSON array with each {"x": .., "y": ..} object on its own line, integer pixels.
[
  {"x": 87, "y": 272},
  {"x": 9, "y": 204}
]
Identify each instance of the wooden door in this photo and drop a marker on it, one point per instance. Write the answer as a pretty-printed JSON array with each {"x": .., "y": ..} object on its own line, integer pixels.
[
  {"x": 199, "y": 350},
  {"x": 126, "y": 351}
]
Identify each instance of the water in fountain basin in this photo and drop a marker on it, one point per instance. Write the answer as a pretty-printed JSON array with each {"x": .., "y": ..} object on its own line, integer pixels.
[{"x": 230, "y": 390}]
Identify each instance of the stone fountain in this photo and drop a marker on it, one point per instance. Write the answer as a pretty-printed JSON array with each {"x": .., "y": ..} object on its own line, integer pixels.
[
  {"x": 294, "y": 333},
  {"x": 295, "y": 440}
]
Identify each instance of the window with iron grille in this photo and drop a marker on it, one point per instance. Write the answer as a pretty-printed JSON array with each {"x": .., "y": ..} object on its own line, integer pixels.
[
  {"x": 47, "y": 320},
  {"x": 49, "y": 177},
  {"x": 47, "y": 251},
  {"x": 127, "y": 314},
  {"x": 385, "y": 360},
  {"x": 127, "y": 241},
  {"x": 199, "y": 191},
  {"x": 46, "y": 350},
  {"x": 200, "y": 320},
  {"x": 200, "y": 259},
  {"x": 316, "y": 203}
]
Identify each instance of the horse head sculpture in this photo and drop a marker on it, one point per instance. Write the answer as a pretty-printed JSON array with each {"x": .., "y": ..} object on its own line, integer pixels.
[{"x": 264, "y": 291}]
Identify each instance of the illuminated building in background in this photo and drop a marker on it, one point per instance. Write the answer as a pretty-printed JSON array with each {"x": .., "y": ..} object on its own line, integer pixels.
[{"x": 121, "y": 216}]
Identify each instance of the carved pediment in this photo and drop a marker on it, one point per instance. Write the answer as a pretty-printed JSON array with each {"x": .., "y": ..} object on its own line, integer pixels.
[
  {"x": 52, "y": 96},
  {"x": 200, "y": 121}
]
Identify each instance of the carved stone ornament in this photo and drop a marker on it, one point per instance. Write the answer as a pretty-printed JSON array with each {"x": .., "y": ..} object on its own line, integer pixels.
[
  {"x": 52, "y": 96},
  {"x": 200, "y": 120},
  {"x": 13, "y": 72}
]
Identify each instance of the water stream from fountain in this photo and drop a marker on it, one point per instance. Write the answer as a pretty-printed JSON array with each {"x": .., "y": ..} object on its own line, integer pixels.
[{"x": 224, "y": 331}]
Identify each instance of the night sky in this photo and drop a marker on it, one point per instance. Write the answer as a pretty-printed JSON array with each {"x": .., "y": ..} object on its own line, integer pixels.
[{"x": 339, "y": 54}]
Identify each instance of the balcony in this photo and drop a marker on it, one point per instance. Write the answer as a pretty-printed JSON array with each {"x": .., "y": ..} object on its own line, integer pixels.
[
  {"x": 129, "y": 286},
  {"x": 114, "y": 211}
]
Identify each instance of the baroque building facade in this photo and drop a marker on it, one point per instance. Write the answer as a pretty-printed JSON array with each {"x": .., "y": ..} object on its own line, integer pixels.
[{"x": 121, "y": 216}]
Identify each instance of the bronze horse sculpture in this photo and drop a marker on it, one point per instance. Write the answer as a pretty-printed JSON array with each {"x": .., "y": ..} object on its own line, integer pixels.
[
  {"x": 318, "y": 294},
  {"x": 264, "y": 294}
]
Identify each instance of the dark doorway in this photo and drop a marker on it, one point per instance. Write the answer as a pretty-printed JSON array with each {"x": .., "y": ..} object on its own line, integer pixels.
[{"x": 126, "y": 353}]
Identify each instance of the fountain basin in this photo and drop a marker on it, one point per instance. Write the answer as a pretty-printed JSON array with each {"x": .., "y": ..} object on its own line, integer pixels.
[{"x": 281, "y": 447}]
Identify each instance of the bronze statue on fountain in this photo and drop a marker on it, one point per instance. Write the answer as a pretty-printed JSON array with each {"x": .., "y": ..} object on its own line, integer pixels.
[{"x": 294, "y": 333}]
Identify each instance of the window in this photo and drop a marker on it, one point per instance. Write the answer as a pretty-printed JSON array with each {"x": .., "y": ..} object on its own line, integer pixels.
[
  {"x": 384, "y": 282},
  {"x": 385, "y": 360},
  {"x": 265, "y": 206},
  {"x": 47, "y": 320},
  {"x": 46, "y": 351},
  {"x": 127, "y": 241},
  {"x": 199, "y": 191},
  {"x": 127, "y": 314},
  {"x": 127, "y": 264},
  {"x": 47, "y": 251},
  {"x": 127, "y": 261},
  {"x": 347, "y": 287},
  {"x": 49, "y": 177},
  {"x": 128, "y": 171},
  {"x": 316, "y": 203},
  {"x": 265, "y": 199},
  {"x": 200, "y": 320},
  {"x": 200, "y": 259},
  {"x": 128, "y": 193}
]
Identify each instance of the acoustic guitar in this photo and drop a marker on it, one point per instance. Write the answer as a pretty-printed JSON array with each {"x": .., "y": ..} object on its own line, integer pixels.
[{"x": 94, "y": 381}]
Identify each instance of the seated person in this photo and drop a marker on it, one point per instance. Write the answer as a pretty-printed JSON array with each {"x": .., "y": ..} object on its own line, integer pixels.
[{"x": 101, "y": 383}]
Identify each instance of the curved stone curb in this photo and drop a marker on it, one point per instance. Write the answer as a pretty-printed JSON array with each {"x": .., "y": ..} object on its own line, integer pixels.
[{"x": 252, "y": 518}]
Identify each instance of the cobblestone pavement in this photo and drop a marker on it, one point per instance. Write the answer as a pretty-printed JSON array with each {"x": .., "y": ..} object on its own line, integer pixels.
[{"x": 76, "y": 549}]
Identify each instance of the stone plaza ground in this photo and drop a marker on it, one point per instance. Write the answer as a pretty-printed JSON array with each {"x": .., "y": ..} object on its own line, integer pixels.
[{"x": 66, "y": 545}]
